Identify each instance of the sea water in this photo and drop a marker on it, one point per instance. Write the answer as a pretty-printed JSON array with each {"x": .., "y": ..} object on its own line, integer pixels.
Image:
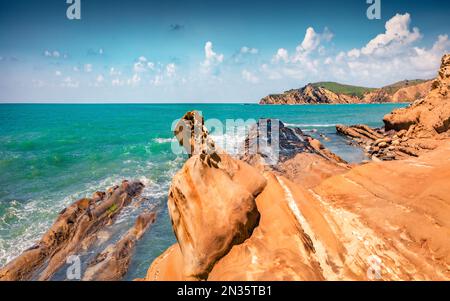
[{"x": 51, "y": 155}]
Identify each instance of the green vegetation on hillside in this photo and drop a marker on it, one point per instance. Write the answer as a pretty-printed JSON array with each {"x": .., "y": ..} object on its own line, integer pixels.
[
  {"x": 344, "y": 89},
  {"x": 391, "y": 89}
]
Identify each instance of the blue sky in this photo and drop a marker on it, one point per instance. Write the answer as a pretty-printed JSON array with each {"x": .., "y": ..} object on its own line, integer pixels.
[{"x": 211, "y": 51}]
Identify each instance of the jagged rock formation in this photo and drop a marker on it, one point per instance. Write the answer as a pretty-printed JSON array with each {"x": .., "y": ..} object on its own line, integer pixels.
[
  {"x": 429, "y": 116},
  {"x": 405, "y": 91},
  {"x": 409, "y": 131},
  {"x": 112, "y": 264},
  {"x": 215, "y": 190},
  {"x": 382, "y": 220},
  {"x": 300, "y": 157},
  {"x": 381, "y": 145},
  {"x": 75, "y": 228}
]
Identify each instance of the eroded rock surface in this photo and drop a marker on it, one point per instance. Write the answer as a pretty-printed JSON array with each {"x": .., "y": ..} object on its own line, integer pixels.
[
  {"x": 75, "y": 228},
  {"x": 211, "y": 200},
  {"x": 429, "y": 116},
  {"x": 112, "y": 263},
  {"x": 410, "y": 131}
]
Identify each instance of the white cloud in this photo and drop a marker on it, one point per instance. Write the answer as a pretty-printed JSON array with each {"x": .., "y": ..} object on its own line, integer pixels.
[
  {"x": 88, "y": 68},
  {"x": 250, "y": 77},
  {"x": 171, "y": 70},
  {"x": 100, "y": 79},
  {"x": 281, "y": 55},
  {"x": 429, "y": 59},
  {"x": 211, "y": 57},
  {"x": 143, "y": 65},
  {"x": 249, "y": 50},
  {"x": 354, "y": 53},
  {"x": 311, "y": 42},
  {"x": 58, "y": 73},
  {"x": 396, "y": 37},
  {"x": 388, "y": 57}
]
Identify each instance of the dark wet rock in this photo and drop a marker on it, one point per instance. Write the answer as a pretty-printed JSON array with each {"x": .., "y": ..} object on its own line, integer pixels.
[
  {"x": 112, "y": 263},
  {"x": 75, "y": 227}
]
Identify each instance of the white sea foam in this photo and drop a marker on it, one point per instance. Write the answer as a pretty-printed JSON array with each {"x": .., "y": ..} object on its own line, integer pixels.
[
  {"x": 232, "y": 144},
  {"x": 163, "y": 140},
  {"x": 24, "y": 223}
]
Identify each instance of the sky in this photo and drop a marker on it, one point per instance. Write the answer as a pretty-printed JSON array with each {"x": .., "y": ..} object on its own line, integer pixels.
[{"x": 211, "y": 51}]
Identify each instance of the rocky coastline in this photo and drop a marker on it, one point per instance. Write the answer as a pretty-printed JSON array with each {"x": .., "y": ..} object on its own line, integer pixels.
[
  {"x": 309, "y": 216},
  {"x": 314, "y": 217},
  {"x": 335, "y": 93}
]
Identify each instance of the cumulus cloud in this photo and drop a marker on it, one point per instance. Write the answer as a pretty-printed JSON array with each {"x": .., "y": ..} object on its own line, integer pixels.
[
  {"x": 282, "y": 55},
  {"x": 397, "y": 36},
  {"x": 311, "y": 42},
  {"x": 389, "y": 56},
  {"x": 142, "y": 65},
  {"x": 171, "y": 70},
  {"x": 211, "y": 58}
]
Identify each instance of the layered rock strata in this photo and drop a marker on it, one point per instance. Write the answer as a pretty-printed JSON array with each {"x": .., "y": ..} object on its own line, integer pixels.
[{"x": 75, "y": 229}]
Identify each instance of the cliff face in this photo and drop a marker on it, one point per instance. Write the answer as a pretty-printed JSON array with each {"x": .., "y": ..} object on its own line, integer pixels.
[
  {"x": 409, "y": 131},
  {"x": 316, "y": 94},
  {"x": 309, "y": 95},
  {"x": 430, "y": 116}
]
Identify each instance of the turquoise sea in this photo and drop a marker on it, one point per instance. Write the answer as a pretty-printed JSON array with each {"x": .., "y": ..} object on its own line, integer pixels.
[{"x": 52, "y": 155}]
